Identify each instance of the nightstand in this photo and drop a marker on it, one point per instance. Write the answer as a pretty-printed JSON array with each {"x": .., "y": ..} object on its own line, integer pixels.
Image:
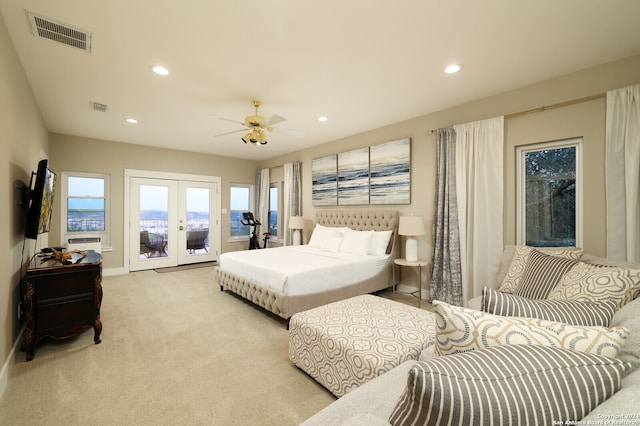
[{"x": 417, "y": 264}]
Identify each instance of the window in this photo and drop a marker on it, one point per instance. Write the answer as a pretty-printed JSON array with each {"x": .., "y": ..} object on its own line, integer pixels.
[
  {"x": 273, "y": 210},
  {"x": 85, "y": 206},
  {"x": 549, "y": 194},
  {"x": 240, "y": 202}
]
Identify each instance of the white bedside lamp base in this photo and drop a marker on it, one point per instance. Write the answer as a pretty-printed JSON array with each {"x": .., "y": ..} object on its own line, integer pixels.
[
  {"x": 296, "y": 237},
  {"x": 411, "y": 250}
]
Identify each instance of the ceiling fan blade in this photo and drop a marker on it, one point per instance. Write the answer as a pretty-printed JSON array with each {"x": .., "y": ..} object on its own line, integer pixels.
[
  {"x": 275, "y": 119},
  {"x": 233, "y": 131},
  {"x": 226, "y": 119}
]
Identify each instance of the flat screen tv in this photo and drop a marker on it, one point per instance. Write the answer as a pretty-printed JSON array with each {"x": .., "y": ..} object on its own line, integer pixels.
[{"x": 40, "y": 201}]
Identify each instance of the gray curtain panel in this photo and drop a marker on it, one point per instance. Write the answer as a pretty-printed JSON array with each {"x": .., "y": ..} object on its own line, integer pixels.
[
  {"x": 292, "y": 198},
  {"x": 446, "y": 277}
]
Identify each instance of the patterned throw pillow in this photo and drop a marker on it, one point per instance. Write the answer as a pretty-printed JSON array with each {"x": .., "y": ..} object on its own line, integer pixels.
[
  {"x": 594, "y": 283},
  {"x": 524, "y": 385},
  {"x": 460, "y": 329},
  {"x": 566, "y": 311},
  {"x": 511, "y": 282},
  {"x": 542, "y": 274}
]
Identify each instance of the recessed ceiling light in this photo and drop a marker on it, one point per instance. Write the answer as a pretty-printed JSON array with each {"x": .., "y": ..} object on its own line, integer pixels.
[
  {"x": 322, "y": 119},
  {"x": 160, "y": 70},
  {"x": 452, "y": 69},
  {"x": 131, "y": 120}
]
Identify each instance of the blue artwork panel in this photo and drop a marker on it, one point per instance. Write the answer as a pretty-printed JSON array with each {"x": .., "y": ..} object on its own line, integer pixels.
[
  {"x": 324, "y": 177},
  {"x": 353, "y": 177},
  {"x": 391, "y": 172}
]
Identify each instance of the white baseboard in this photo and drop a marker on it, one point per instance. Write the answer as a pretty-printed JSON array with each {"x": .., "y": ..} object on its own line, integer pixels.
[{"x": 6, "y": 368}]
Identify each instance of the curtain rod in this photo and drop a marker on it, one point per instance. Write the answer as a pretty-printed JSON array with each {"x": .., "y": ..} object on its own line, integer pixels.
[{"x": 552, "y": 106}]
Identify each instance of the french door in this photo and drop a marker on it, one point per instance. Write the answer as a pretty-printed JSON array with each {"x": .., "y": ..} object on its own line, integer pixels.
[{"x": 172, "y": 222}]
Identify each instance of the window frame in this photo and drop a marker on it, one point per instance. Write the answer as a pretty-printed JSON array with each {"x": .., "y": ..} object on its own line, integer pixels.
[
  {"x": 278, "y": 187},
  {"x": 521, "y": 152},
  {"x": 105, "y": 236},
  {"x": 251, "y": 203}
]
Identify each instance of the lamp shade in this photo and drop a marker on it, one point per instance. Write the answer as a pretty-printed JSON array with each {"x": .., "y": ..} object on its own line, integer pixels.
[
  {"x": 296, "y": 222},
  {"x": 411, "y": 225}
]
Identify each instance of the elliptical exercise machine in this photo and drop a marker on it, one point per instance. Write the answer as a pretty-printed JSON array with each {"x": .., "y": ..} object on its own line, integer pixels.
[{"x": 254, "y": 242}]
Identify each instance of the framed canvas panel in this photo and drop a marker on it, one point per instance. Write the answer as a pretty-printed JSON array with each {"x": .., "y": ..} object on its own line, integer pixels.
[
  {"x": 353, "y": 177},
  {"x": 324, "y": 177},
  {"x": 390, "y": 168}
]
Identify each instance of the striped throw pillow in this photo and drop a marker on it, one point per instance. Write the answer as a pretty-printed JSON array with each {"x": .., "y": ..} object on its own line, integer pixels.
[
  {"x": 542, "y": 274},
  {"x": 507, "y": 385},
  {"x": 511, "y": 281},
  {"x": 566, "y": 311}
]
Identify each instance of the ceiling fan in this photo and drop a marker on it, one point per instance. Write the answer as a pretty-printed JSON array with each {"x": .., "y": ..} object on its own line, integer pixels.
[{"x": 256, "y": 124}]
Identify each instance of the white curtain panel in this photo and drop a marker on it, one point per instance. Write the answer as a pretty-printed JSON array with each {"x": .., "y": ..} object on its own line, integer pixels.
[
  {"x": 622, "y": 173},
  {"x": 286, "y": 201},
  {"x": 291, "y": 198},
  {"x": 263, "y": 208},
  {"x": 479, "y": 187}
]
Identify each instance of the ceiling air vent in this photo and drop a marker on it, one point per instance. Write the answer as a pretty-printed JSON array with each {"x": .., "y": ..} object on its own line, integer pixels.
[
  {"x": 97, "y": 106},
  {"x": 60, "y": 32}
]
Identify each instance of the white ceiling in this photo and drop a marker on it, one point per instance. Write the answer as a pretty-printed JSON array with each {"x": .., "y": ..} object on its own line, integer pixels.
[{"x": 363, "y": 63}]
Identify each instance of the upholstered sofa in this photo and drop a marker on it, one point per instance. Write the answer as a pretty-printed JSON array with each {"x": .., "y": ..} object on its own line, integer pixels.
[{"x": 600, "y": 387}]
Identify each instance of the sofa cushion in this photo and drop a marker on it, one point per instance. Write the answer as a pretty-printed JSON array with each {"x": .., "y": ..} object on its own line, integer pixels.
[
  {"x": 566, "y": 311},
  {"x": 460, "y": 329},
  {"x": 629, "y": 317},
  {"x": 589, "y": 283},
  {"x": 521, "y": 384},
  {"x": 511, "y": 281},
  {"x": 541, "y": 274},
  {"x": 374, "y": 399}
]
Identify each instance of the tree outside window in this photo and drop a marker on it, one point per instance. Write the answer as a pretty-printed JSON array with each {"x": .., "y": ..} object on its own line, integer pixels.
[{"x": 548, "y": 196}]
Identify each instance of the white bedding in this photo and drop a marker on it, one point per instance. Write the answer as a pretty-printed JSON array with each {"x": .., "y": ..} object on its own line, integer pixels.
[{"x": 295, "y": 270}]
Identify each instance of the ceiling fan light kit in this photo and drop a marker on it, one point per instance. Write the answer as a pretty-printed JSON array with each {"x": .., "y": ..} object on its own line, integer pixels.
[{"x": 255, "y": 137}]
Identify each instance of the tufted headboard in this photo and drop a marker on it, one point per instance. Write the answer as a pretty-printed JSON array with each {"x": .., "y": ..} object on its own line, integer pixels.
[
  {"x": 360, "y": 220},
  {"x": 364, "y": 220}
]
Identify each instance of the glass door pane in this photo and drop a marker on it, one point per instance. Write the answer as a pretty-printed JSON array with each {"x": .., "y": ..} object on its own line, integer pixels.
[
  {"x": 154, "y": 221},
  {"x": 153, "y": 224},
  {"x": 196, "y": 222}
]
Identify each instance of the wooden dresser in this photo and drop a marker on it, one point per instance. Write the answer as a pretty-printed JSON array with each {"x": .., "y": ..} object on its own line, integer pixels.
[{"x": 62, "y": 300}]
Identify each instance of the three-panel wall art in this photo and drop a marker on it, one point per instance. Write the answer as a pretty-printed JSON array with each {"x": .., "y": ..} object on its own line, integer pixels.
[{"x": 379, "y": 174}]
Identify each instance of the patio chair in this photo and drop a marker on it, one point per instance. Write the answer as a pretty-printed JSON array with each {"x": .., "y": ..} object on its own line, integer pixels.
[
  {"x": 197, "y": 240},
  {"x": 151, "y": 243}
]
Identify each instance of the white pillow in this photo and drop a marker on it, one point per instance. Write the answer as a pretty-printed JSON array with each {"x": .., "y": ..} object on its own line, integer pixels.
[
  {"x": 356, "y": 242},
  {"x": 332, "y": 241},
  {"x": 318, "y": 235},
  {"x": 379, "y": 243}
]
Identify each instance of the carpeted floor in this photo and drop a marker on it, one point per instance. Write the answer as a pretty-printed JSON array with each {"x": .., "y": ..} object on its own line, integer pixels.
[
  {"x": 175, "y": 351},
  {"x": 185, "y": 267}
]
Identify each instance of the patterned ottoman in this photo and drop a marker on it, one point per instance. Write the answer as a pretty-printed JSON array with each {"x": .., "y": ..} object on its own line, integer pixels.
[{"x": 347, "y": 343}]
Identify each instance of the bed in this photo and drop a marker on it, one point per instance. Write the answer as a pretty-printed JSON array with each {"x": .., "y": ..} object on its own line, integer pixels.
[{"x": 293, "y": 285}]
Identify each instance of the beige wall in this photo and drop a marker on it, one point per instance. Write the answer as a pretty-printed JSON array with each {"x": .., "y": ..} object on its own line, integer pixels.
[
  {"x": 23, "y": 142},
  {"x": 77, "y": 154},
  {"x": 585, "y": 120}
]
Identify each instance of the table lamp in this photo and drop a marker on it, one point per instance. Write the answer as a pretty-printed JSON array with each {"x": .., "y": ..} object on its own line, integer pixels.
[
  {"x": 411, "y": 226},
  {"x": 296, "y": 223}
]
